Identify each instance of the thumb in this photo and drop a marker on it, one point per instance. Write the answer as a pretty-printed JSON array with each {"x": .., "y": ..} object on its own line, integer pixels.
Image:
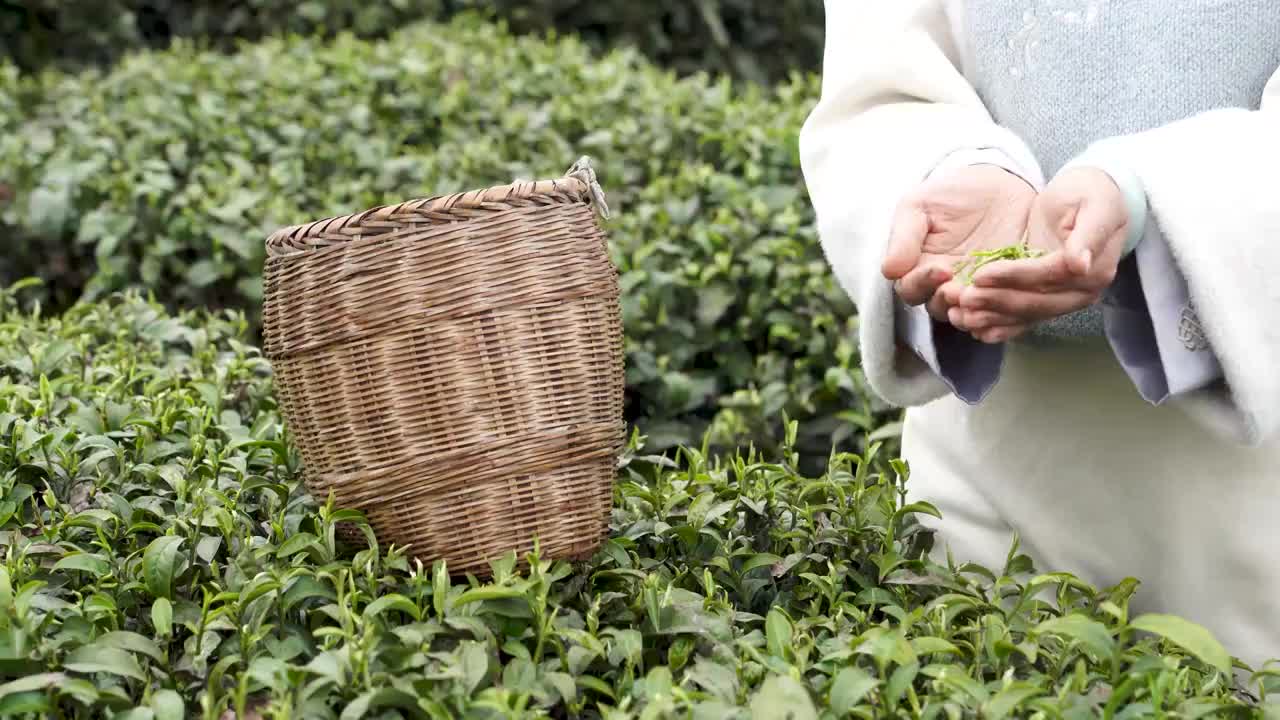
[
  {"x": 906, "y": 239},
  {"x": 1088, "y": 239},
  {"x": 1060, "y": 220}
]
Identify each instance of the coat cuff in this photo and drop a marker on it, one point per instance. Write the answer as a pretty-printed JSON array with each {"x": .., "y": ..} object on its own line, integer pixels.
[
  {"x": 968, "y": 367},
  {"x": 966, "y": 157},
  {"x": 1152, "y": 326}
]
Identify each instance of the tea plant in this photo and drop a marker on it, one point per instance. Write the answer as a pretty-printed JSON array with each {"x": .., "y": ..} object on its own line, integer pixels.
[
  {"x": 39, "y": 33},
  {"x": 162, "y": 560},
  {"x": 760, "y": 41},
  {"x": 732, "y": 317}
]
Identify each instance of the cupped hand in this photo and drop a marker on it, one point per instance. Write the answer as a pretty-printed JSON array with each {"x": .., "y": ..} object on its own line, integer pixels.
[
  {"x": 978, "y": 207},
  {"x": 1081, "y": 220}
]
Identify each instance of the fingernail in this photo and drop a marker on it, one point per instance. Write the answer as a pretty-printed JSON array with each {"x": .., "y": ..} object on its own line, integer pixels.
[{"x": 955, "y": 316}]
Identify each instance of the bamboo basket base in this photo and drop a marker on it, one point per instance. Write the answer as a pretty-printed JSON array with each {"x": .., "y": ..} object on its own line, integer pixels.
[
  {"x": 564, "y": 507},
  {"x": 568, "y": 527}
]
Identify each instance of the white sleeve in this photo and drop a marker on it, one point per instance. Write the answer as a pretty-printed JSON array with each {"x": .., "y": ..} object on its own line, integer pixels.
[
  {"x": 894, "y": 105},
  {"x": 1212, "y": 191}
]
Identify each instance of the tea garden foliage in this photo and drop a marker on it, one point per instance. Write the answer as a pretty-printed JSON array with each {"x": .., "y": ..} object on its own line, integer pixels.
[
  {"x": 54, "y": 33},
  {"x": 754, "y": 40},
  {"x": 169, "y": 171},
  {"x": 757, "y": 41},
  {"x": 161, "y": 560}
]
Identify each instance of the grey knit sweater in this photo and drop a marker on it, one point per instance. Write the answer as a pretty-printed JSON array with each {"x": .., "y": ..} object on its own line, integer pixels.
[{"x": 1065, "y": 73}]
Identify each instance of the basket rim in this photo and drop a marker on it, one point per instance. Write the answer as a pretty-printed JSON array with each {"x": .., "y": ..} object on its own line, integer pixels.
[{"x": 495, "y": 198}]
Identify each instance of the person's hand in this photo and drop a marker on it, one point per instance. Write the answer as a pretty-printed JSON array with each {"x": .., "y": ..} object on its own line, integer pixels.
[
  {"x": 1082, "y": 220},
  {"x": 971, "y": 208}
]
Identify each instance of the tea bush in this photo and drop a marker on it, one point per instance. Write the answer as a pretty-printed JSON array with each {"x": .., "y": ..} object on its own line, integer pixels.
[
  {"x": 162, "y": 561},
  {"x": 169, "y": 171},
  {"x": 40, "y": 33},
  {"x": 758, "y": 41}
]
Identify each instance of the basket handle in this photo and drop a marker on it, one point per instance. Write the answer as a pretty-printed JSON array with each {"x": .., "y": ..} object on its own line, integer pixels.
[{"x": 583, "y": 172}]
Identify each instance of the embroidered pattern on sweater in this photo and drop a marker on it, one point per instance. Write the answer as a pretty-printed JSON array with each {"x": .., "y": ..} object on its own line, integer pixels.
[{"x": 1070, "y": 13}]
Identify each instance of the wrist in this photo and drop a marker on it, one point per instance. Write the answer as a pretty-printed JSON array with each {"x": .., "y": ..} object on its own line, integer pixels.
[{"x": 969, "y": 157}]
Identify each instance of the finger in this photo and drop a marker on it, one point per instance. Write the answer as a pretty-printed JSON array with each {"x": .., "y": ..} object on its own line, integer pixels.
[
  {"x": 938, "y": 306},
  {"x": 1087, "y": 241},
  {"x": 980, "y": 320},
  {"x": 1026, "y": 306},
  {"x": 1034, "y": 274},
  {"x": 972, "y": 321},
  {"x": 997, "y": 335},
  {"x": 906, "y": 238},
  {"x": 920, "y": 284},
  {"x": 950, "y": 291}
]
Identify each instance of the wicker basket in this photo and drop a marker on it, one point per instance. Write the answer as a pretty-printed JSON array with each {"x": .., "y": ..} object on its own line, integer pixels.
[{"x": 453, "y": 368}]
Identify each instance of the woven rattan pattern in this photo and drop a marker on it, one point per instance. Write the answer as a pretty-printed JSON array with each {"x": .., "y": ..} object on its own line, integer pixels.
[{"x": 453, "y": 368}]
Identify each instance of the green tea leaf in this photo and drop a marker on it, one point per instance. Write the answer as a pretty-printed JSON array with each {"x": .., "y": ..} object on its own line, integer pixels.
[
  {"x": 440, "y": 590},
  {"x": 104, "y": 659},
  {"x": 927, "y": 645},
  {"x": 132, "y": 642},
  {"x": 303, "y": 588},
  {"x": 207, "y": 548},
  {"x": 779, "y": 633},
  {"x": 781, "y": 697},
  {"x": 920, "y": 507},
  {"x": 957, "y": 678},
  {"x": 168, "y": 705},
  {"x": 95, "y": 565},
  {"x": 627, "y": 646},
  {"x": 376, "y": 699},
  {"x": 1091, "y": 634},
  {"x": 392, "y": 602},
  {"x": 697, "y": 511},
  {"x": 1009, "y": 699},
  {"x": 848, "y": 688},
  {"x": 159, "y": 563},
  {"x": 162, "y": 617},
  {"x": 899, "y": 681},
  {"x": 481, "y": 594},
  {"x": 296, "y": 544},
  {"x": 39, "y": 681},
  {"x": 887, "y": 646},
  {"x": 564, "y": 685},
  {"x": 19, "y": 704},
  {"x": 758, "y": 561},
  {"x": 6, "y": 596},
  {"x": 474, "y": 662},
  {"x": 717, "y": 679},
  {"x": 1190, "y": 636},
  {"x": 349, "y": 515},
  {"x": 597, "y": 686}
]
